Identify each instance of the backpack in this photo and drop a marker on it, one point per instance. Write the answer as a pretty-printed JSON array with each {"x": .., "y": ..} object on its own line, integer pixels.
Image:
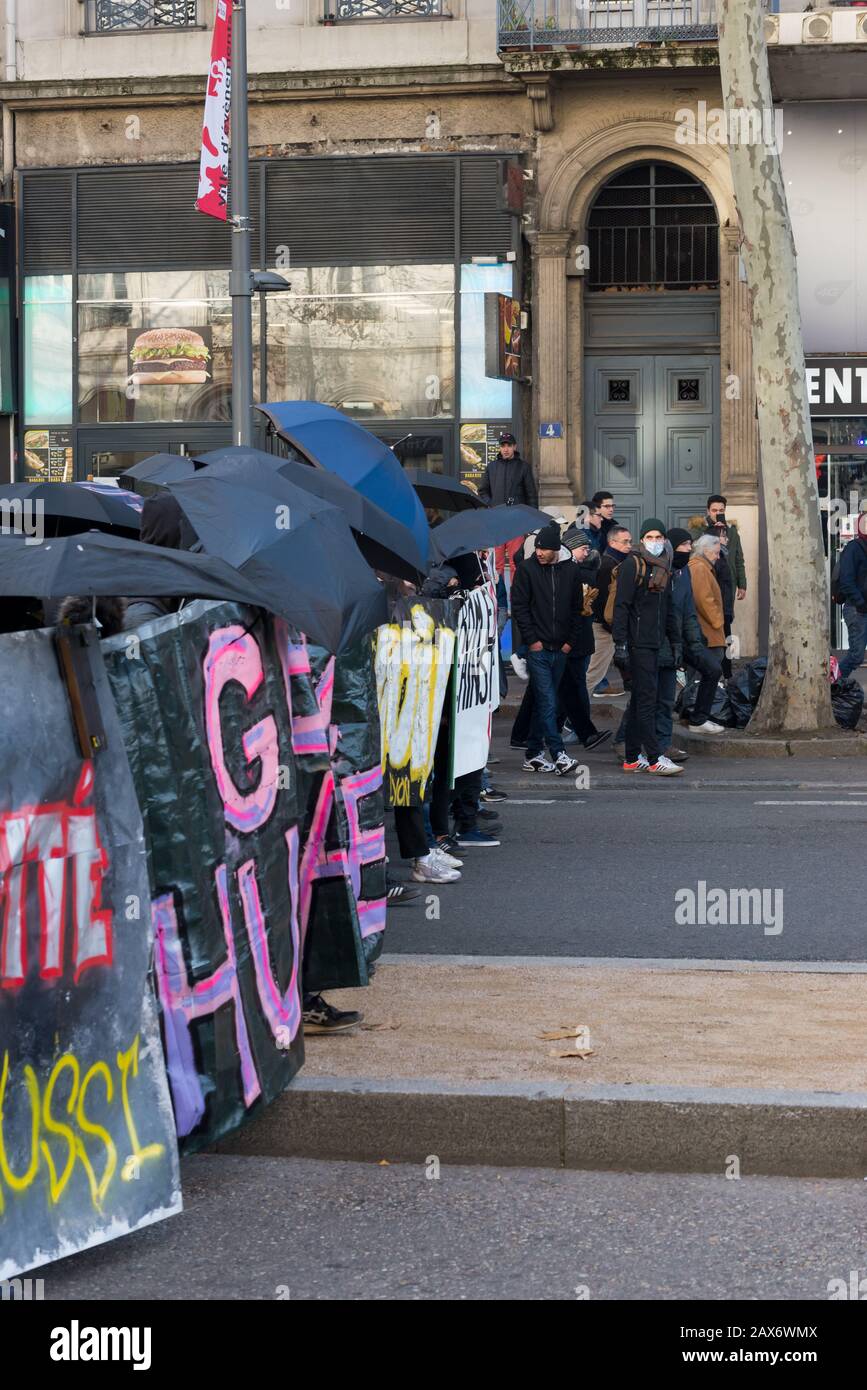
[
  {"x": 608, "y": 611},
  {"x": 836, "y": 596}
]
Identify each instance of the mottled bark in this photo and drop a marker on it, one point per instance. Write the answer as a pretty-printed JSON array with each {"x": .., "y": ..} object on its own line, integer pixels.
[{"x": 796, "y": 693}]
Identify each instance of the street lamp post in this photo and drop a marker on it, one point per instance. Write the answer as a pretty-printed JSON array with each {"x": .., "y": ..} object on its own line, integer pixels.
[{"x": 240, "y": 280}]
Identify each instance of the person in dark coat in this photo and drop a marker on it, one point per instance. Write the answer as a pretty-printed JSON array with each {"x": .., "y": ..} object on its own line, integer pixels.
[
  {"x": 507, "y": 481},
  {"x": 547, "y": 598},
  {"x": 642, "y": 620},
  {"x": 162, "y": 523},
  {"x": 851, "y": 588},
  {"x": 688, "y": 645},
  {"x": 574, "y": 696}
]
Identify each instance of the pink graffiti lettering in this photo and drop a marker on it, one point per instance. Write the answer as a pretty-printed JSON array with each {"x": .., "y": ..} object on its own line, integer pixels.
[
  {"x": 233, "y": 655},
  {"x": 47, "y": 837},
  {"x": 364, "y": 847}
]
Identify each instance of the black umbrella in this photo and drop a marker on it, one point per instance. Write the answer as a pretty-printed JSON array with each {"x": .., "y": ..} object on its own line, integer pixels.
[
  {"x": 156, "y": 471},
  {"x": 296, "y": 550},
  {"x": 479, "y": 530},
  {"x": 447, "y": 494},
  {"x": 98, "y": 563},
  {"x": 68, "y": 507},
  {"x": 385, "y": 543}
]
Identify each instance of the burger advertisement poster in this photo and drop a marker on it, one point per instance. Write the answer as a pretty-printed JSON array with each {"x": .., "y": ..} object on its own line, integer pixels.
[{"x": 168, "y": 357}]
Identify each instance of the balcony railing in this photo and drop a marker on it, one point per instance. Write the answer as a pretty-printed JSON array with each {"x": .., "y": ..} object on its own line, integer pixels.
[
  {"x": 119, "y": 16},
  {"x": 345, "y": 10},
  {"x": 524, "y": 24}
]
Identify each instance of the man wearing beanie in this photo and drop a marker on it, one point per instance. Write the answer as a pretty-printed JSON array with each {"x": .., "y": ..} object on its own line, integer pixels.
[
  {"x": 643, "y": 619},
  {"x": 547, "y": 598}
]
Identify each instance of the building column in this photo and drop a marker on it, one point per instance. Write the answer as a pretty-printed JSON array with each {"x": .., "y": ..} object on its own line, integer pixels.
[
  {"x": 550, "y": 356},
  {"x": 739, "y": 431}
]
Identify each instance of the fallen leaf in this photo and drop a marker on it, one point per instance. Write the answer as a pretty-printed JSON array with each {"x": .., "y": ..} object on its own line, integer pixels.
[{"x": 583, "y": 1053}]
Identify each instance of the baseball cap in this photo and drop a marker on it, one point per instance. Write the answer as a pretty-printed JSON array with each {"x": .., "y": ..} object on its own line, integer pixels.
[{"x": 506, "y": 438}]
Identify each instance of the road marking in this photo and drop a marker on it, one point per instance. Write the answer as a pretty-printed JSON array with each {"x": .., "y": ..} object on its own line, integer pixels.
[
  {"x": 554, "y": 801},
  {"x": 810, "y": 803}
]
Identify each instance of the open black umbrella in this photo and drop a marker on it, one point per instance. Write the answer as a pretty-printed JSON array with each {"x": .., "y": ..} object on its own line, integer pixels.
[
  {"x": 438, "y": 490},
  {"x": 154, "y": 472},
  {"x": 385, "y": 543},
  {"x": 478, "y": 530},
  {"x": 67, "y": 508},
  {"x": 295, "y": 549},
  {"x": 100, "y": 564}
]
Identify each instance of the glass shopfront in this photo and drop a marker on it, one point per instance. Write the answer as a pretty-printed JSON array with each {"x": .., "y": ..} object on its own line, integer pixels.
[
  {"x": 127, "y": 360},
  {"x": 841, "y": 474}
]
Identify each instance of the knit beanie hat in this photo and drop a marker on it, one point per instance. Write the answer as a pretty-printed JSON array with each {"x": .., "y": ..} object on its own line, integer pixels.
[
  {"x": 677, "y": 535},
  {"x": 575, "y": 538},
  {"x": 548, "y": 538},
  {"x": 652, "y": 523}
]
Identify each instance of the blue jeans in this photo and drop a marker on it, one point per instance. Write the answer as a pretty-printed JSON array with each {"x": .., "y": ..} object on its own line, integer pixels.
[
  {"x": 856, "y": 626},
  {"x": 546, "y": 671}
]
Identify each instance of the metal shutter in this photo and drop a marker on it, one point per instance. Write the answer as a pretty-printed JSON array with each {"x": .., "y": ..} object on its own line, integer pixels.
[
  {"x": 485, "y": 229},
  {"x": 47, "y": 244},
  {"x": 362, "y": 211},
  {"x": 145, "y": 219}
]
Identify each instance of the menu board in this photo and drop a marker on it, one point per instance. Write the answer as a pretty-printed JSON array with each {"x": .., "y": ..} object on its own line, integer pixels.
[
  {"x": 480, "y": 444},
  {"x": 48, "y": 456}
]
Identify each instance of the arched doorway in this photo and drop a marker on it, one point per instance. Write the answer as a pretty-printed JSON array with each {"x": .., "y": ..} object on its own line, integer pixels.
[{"x": 651, "y": 343}]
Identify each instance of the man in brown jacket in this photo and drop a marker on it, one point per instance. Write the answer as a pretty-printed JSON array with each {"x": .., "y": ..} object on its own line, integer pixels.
[{"x": 709, "y": 607}]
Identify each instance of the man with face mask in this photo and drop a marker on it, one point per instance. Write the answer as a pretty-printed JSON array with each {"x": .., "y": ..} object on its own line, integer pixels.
[{"x": 643, "y": 619}]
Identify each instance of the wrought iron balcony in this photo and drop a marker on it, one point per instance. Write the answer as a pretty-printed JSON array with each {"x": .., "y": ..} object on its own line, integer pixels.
[
  {"x": 345, "y": 10},
  {"x": 541, "y": 24},
  {"x": 119, "y": 16}
]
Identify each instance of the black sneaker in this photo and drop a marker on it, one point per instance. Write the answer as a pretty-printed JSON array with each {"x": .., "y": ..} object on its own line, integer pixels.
[
  {"x": 484, "y": 814},
  {"x": 322, "y": 1017},
  {"x": 513, "y": 744},
  {"x": 397, "y": 893},
  {"x": 601, "y": 736},
  {"x": 449, "y": 843},
  {"x": 494, "y": 794}
]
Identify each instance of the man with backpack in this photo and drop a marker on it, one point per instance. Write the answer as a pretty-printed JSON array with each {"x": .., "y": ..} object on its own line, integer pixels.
[
  {"x": 849, "y": 588},
  {"x": 619, "y": 544},
  {"x": 642, "y": 619}
]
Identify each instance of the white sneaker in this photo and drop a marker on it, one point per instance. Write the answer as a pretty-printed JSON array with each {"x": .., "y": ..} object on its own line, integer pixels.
[
  {"x": 664, "y": 767},
  {"x": 563, "y": 764},
  {"x": 432, "y": 869},
  {"x": 538, "y": 764},
  {"x": 519, "y": 666},
  {"x": 445, "y": 858},
  {"x": 708, "y": 727}
]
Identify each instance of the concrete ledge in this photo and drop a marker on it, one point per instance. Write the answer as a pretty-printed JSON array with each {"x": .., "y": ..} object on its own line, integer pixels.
[
  {"x": 736, "y": 743},
  {"x": 628, "y": 1128}
]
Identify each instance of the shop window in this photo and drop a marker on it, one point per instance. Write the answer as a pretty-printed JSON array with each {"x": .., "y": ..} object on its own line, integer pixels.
[
  {"x": 48, "y": 350},
  {"x": 156, "y": 346},
  {"x": 377, "y": 342},
  {"x": 482, "y": 397}
]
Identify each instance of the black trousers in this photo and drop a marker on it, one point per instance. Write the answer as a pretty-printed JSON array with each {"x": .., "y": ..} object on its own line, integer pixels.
[
  {"x": 465, "y": 800},
  {"x": 524, "y": 717},
  {"x": 411, "y": 834},
  {"x": 707, "y": 686},
  {"x": 573, "y": 697},
  {"x": 440, "y": 794},
  {"x": 641, "y": 718}
]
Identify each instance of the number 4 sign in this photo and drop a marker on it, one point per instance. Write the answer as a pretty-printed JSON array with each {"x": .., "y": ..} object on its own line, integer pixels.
[{"x": 550, "y": 429}]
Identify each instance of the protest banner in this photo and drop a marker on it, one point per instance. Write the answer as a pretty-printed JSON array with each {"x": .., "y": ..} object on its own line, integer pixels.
[
  {"x": 476, "y": 682},
  {"x": 413, "y": 662},
  {"x": 257, "y": 849},
  {"x": 87, "y": 1139}
]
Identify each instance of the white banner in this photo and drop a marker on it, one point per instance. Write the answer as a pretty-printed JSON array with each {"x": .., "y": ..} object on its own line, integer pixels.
[
  {"x": 213, "y": 196},
  {"x": 476, "y": 680}
]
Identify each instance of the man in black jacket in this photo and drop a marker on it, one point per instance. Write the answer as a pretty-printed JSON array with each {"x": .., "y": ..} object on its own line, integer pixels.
[
  {"x": 642, "y": 620},
  {"x": 547, "y": 598},
  {"x": 508, "y": 479}
]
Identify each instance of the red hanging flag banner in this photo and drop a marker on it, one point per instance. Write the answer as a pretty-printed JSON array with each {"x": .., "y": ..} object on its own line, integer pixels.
[{"x": 213, "y": 197}]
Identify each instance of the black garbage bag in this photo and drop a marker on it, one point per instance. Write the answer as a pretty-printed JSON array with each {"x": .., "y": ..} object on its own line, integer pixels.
[
  {"x": 847, "y": 702},
  {"x": 744, "y": 689},
  {"x": 721, "y": 710}
]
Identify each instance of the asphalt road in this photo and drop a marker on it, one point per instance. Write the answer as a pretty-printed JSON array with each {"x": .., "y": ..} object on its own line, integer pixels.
[
  {"x": 256, "y": 1228},
  {"x": 596, "y": 871}
]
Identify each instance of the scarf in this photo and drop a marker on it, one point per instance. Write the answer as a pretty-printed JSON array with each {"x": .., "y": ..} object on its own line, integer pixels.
[{"x": 660, "y": 566}]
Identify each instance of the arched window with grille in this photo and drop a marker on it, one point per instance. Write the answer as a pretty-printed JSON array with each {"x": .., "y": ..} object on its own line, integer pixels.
[{"x": 653, "y": 227}]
